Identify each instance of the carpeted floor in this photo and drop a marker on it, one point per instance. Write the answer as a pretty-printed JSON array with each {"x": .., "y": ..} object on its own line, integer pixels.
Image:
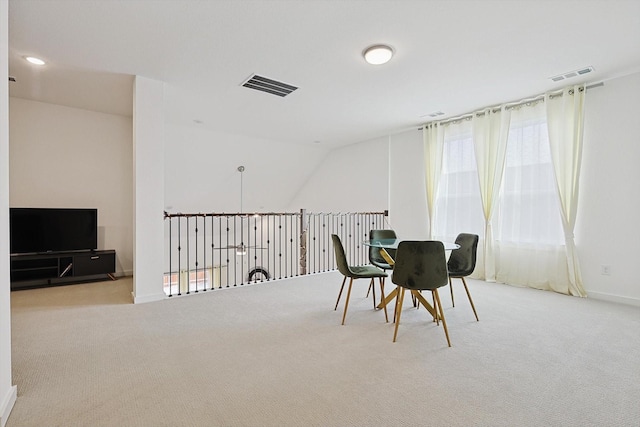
[{"x": 275, "y": 354}]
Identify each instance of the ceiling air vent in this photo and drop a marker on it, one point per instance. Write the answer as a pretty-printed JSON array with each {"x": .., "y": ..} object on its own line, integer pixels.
[
  {"x": 268, "y": 85},
  {"x": 571, "y": 74}
]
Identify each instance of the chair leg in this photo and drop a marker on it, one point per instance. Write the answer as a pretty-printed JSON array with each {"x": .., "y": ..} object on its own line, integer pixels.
[
  {"x": 435, "y": 308},
  {"x": 398, "y": 312},
  {"x": 369, "y": 290},
  {"x": 464, "y": 282},
  {"x": 451, "y": 289},
  {"x": 373, "y": 290},
  {"x": 340, "y": 293},
  {"x": 386, "y": 316},
  {"x": 444, "y": 322},
  {"x": 398, "y": 289},
  {"x": 395, "y": 305},
  {"x": 346, "y": 304},
  {"x": 436, "y": 318}
]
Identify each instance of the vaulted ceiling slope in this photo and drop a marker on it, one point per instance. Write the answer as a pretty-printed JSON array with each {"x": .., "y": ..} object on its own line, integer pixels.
[{"x": 450, "y": 56}]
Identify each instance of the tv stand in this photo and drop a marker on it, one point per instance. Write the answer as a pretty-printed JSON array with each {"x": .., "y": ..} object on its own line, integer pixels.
[{"x": 61, "y": 268}]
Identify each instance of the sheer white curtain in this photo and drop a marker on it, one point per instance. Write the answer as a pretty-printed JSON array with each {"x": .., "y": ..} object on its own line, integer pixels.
[
  {"x": 498, "y": 181},
  {"x": 490, "y": 132},
  {"x": 433, "y": 140},
  {"x": 458, "y": 206},
  {"x": 528, "y": 228},
  {"x": 565, "y": 119}
]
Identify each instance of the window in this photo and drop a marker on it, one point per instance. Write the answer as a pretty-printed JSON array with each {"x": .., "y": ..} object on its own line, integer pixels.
[
  {"x": 529, "y": 210},
  {"x": 458, "y": 207}
]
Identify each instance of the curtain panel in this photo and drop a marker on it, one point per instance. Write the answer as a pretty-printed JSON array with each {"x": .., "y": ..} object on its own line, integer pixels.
[
  {"x": 565, "y": 121},
  {"x": 529, "y": 242},
  {"x": 433, "y": 141},
  {"x": 490, "y": 133}
]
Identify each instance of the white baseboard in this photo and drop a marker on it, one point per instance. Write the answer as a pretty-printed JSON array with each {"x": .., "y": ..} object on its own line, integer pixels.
[
  {"x": 7, "y": 405},
  {"x": 147, "y": 298},
  {"x": 614, "y": 298},
  {"x": 125, "y": 273}
]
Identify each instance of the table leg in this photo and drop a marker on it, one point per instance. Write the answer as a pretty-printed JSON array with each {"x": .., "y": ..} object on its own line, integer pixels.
[
  {"x": 391, "y": 262},
  {"x": 388, "y": 298},
  {"x": 385, "y": 255},
  {"x": 425, "y": 303}
]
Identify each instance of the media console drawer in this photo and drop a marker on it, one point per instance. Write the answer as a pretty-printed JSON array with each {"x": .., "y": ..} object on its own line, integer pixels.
[{"x": 100, "y": 262}]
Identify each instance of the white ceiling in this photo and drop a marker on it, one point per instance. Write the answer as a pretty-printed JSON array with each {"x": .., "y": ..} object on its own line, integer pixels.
[{"x": 451, "y": 56}]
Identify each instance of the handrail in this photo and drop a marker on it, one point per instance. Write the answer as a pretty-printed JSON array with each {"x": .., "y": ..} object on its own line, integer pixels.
[{"x": 213, "y": 250}]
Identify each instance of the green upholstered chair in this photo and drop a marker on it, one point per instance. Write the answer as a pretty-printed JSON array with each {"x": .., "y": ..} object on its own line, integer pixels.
[
  {"x": 355, "y": 272},
  {"x": 374, "y": 253},
  {"x": 421, "y": 266},
  {"x": 462, "y": 262},
  {"x": 376, "y": 258}
]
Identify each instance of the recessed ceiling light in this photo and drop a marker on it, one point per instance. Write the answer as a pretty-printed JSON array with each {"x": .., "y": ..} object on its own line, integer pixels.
[
  {"x": 34, "y": 60},
  {"x": 378, "y": 54}
]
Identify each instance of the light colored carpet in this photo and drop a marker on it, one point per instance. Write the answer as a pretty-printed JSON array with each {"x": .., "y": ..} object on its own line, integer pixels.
[{"x": 275, "y": 354}]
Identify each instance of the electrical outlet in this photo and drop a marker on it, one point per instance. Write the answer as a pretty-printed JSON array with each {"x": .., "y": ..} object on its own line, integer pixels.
[{"x": 605, "y": 270}]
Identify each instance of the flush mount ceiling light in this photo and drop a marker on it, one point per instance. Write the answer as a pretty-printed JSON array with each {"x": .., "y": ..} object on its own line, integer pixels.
[
  {"x": 378, "y": 54},
  {"x": 34, "y": 60}
]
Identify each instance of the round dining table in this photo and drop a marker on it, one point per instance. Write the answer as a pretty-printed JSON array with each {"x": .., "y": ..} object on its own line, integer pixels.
[{"x": 385, "y": 244}]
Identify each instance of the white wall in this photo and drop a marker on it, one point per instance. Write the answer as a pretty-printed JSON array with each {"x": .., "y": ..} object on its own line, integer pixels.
[
  {"x": 349, "y": 179},
  {"x": 68, "y": 157},
  {"x": 381, "y": 174},
  {"x": 201, "y": 171},
  {"x": 148, "y": 195},
  {"x": 607, "y": 228},
  {"x": 8, "y": 392},
  {"x": 408, "y": 201}
]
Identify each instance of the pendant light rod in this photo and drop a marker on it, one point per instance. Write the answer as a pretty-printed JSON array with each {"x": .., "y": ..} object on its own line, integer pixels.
[
  {"x": 241, "y": 250},
  {"x": 241, "y": 170}
]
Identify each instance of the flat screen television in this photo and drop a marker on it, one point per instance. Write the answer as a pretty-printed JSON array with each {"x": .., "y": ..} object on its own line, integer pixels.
[{"x": 38, "y": 230}]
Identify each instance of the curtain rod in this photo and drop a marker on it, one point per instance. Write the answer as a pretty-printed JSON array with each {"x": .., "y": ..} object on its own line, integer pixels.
[{"x": 508, "y": 105}]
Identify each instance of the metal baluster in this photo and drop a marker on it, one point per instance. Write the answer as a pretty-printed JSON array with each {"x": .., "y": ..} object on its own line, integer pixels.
[
  {"x": 196, "y": 262},
  {"x": 327, "y": 244},
  {"x": 255, "y": 250},
  {"x": 292, "y": 224},
  {"x": 286, "y": 258},
  {"x": 213, "y": 251},
  {"x": 179, "y": 256},
  {"x": 170, "y": 257},
  {"x": 204, "y": 253},
  {"x": 314, "y": 243},
  {"x": 269, "y": 244},
  {"x": 280, "y": 245},
  {"x": 358, "y": 234},
  {"x": 188, "y": 260},
  {"x": 227, "y": 252}
]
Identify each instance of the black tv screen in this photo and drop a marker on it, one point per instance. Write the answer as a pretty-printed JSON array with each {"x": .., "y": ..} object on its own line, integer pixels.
[{"x": 36, "y": 230}]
